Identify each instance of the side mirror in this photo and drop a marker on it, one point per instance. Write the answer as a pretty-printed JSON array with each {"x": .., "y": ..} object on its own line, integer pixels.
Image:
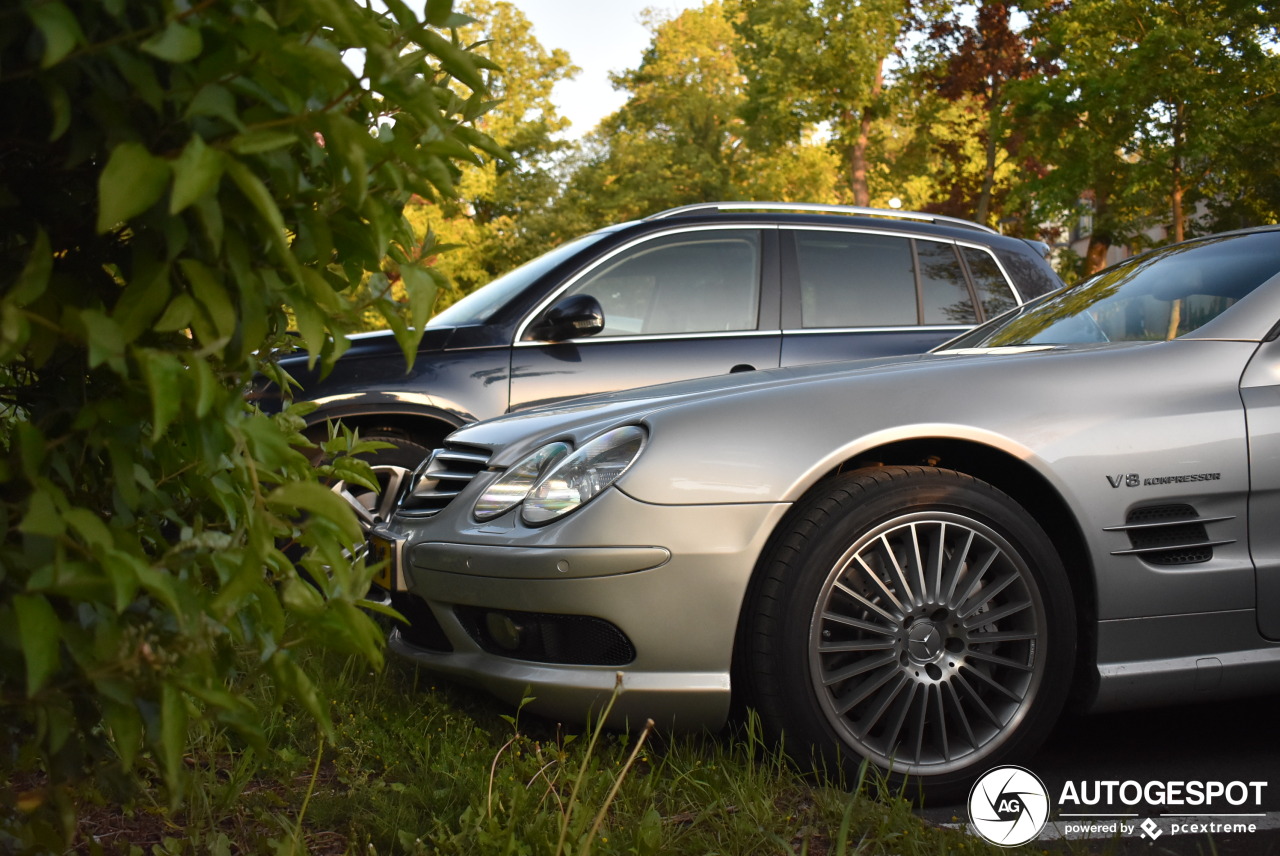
[{"x": 570, "y": 317}]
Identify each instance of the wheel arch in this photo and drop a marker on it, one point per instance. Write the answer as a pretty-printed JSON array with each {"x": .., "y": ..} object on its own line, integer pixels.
[
  {"x": 425, "y": 425},
  {"x": 1011, "y": 474}
]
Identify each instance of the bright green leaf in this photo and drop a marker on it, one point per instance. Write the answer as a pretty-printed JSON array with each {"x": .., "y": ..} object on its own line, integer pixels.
[
  {"x": 216, "y": 102},
  {"x": 60, "y": 29},
  {"x": 316, "y": 499},
  {"x": 255, "y": 142},
  {"x": 195, "y": 173},
  {"x": 421, "y": 288},
  {"x": 265, "y": 204},
  {"x": 89, "y": 527},
  {"x": 42, "y": 517},
  {"x": 163, "y": 373},
  {"x": 438, "y": 12},
  {"x": 175, "y": 43},
  {"x": 131, "y": 182},
  {"x": 177, "y": 315},
  {"x": 212, "y": 296},
  {"x": 39, "y": 629},
  {"x": 104, "y": 338}
]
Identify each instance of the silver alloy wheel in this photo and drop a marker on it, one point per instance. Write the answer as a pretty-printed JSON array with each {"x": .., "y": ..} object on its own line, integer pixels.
[
  {"x": 372, "y": 507},
  {"x": 925, "y": 648}
]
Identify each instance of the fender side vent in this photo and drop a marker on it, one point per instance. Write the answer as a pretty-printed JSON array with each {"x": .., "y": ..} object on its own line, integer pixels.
[{"x": 1169, "y": 535}]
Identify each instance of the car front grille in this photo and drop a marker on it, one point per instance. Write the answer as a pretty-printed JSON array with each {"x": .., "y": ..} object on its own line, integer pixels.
[
  {"x": 1169, "y": 535},
  {"x": 441, "y": 477}
]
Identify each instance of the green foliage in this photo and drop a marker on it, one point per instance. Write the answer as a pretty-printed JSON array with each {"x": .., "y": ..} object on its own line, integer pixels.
[
  {"x": 179, "y": 183},
  {"x": 820, "y": 62},
  {"x": 680, "y": 137},
  {"x": 1144, "y": 108},
  {"x": 499, "y": 218}
]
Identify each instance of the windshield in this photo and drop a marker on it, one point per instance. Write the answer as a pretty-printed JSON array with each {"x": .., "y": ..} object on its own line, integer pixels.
[
  {"x": 478, "y": 306},
  {"x": 1155, "y": 297}
]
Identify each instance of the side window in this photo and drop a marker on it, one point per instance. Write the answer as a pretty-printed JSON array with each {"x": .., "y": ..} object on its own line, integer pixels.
[
  {"x": 988, "y": 281},
  {"x": 695, "y": 282},
  {"x": 944, "y": 294},
  {"x": 855, "y": 280}
]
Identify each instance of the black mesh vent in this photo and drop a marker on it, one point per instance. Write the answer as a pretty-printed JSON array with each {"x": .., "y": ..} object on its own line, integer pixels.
[
  {"x": 576, "y": 640},
  {"x": 1165, "y": 541},
  {"x": 422, "y": 631}
]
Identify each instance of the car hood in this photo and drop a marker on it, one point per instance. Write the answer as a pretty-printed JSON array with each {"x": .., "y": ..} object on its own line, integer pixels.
[
  {"x": 513, "y": 435},
  {"x": 766, "y": 436}
]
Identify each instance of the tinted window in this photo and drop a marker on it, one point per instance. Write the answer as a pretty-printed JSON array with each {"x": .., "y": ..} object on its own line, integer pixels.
[
  {"x": 944, "y": 294},
  {"x": 993, "y": 290},
  {"x": 695, "y": 282},
  {"x": 853, "y": 280},
  {"x": 1155, "y": 297}
]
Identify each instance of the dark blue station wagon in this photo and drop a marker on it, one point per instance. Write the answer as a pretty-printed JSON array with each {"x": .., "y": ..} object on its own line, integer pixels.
[{"x": 691, "y": 292}]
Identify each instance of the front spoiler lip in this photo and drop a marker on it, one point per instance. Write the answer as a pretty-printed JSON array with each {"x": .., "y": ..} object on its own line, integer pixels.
[{"x": 681, "y": 701}]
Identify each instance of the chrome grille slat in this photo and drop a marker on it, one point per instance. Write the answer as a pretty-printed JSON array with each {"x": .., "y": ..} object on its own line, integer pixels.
[
  {"x": 464, "y": 457},
  {"x": 441, "y": 478}
]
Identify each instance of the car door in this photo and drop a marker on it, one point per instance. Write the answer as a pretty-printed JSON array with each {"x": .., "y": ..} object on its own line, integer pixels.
[
  {"x": 685, "y": 303},
  {"x": 850, "y": 294},
  {"x": 1260, "y": 391}
]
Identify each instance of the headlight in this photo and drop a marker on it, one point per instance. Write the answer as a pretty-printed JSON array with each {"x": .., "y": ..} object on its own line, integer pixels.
[
  {"x": 555, "y": 480},
  {"x": 510, "y": 490},
  {"x": 582, "y": 475}
]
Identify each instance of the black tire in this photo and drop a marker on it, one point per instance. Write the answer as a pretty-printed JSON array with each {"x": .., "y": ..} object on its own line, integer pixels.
[{"x": 935, "y": 669}]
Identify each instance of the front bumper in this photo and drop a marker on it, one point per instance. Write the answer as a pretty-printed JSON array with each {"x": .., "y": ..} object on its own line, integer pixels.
[{"x": 671, "y": 578}]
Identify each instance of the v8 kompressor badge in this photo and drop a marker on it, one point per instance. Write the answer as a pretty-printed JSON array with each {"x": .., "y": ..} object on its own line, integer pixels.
[{"x": 1135, "y": 480}]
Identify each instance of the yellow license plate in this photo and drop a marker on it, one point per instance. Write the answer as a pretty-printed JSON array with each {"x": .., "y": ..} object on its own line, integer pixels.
[{"x": 383, "y": 550}]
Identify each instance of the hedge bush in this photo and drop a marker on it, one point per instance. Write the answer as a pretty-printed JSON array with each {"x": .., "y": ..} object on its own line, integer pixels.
[{"x": 182, "y": 183}]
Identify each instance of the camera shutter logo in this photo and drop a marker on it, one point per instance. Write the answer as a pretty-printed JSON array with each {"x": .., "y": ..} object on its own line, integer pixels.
[{"x": 1008, "y": 806}]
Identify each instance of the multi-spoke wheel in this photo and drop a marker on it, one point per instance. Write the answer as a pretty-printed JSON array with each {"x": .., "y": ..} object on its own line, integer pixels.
[
  {"x": 391, "y": 467},
  {"x": 917, "y": 617}
]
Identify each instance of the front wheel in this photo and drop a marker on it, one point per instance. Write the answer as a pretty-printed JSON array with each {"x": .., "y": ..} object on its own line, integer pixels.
[
  {"x": 913, "y": 617},
  {"x": 392, "y": 467}
]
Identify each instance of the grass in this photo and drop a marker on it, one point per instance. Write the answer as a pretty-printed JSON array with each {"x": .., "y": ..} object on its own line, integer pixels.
[{"x": 420, "y": 767}]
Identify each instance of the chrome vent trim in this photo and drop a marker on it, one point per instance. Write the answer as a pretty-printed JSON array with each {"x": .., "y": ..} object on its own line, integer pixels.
[
  {"x": 442, "y": 477},
  {"x": 1169, "y": 535}
]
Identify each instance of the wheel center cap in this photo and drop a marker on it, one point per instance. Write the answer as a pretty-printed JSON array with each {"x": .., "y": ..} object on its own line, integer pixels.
[{"x": 924, "y": 642}]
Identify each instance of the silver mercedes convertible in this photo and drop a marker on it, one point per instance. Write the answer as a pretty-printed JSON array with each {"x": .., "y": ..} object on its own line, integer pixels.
[{"x": 913, "y": 560}]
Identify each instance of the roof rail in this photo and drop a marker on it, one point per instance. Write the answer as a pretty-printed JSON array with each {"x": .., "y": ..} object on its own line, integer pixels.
[{"x": 819, "y": 208}]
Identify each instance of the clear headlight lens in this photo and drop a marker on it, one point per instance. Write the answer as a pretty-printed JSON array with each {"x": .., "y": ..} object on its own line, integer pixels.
[
  {"x": 510, "y": 490},
  {"x": 583, "y": 474}
]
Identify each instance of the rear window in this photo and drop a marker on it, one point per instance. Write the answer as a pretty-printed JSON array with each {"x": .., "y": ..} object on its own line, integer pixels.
[{"x": 855, "y": 280}]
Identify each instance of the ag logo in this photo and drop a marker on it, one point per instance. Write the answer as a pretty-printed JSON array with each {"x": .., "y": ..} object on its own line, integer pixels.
[{"x": 1008, "y": 806}]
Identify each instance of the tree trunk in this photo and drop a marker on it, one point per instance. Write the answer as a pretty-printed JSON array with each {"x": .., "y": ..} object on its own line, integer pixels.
[
  {"x": 858, "y": 151},
  {"x": 1175, "y": 196},
  {"x": 995, "y": 119},
  {"x": 1095, "y": 258}
]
